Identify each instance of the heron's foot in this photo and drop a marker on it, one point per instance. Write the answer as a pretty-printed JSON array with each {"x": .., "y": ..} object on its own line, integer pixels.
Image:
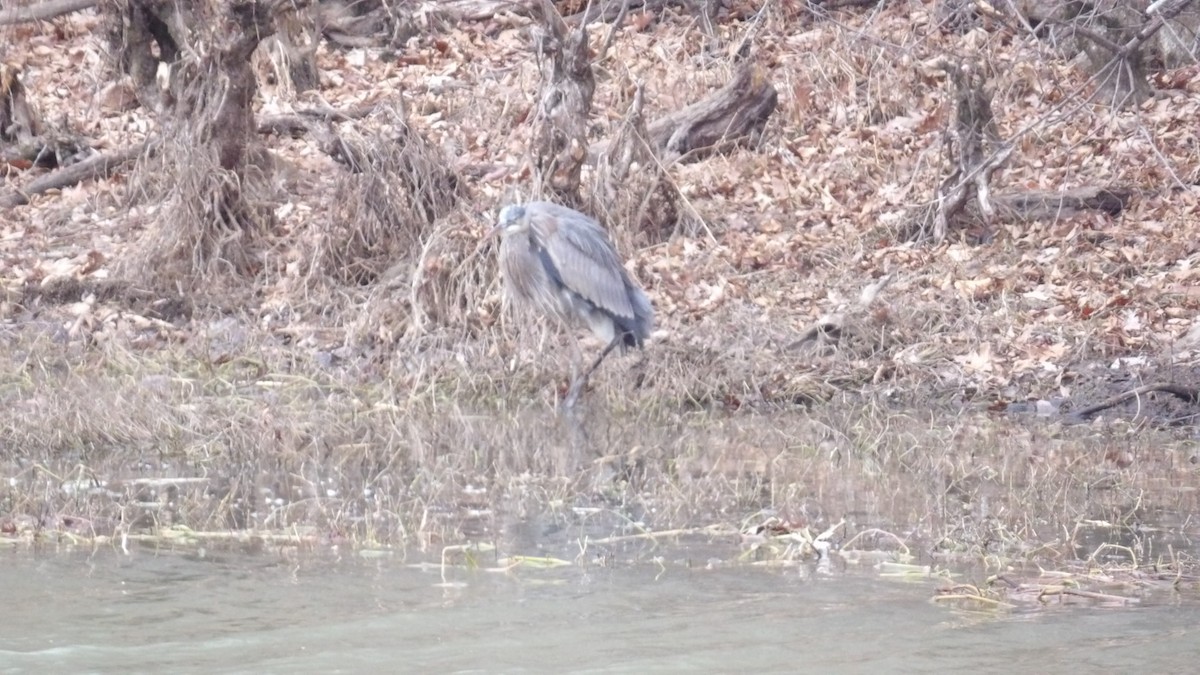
[{"x": 639, "y": 371}]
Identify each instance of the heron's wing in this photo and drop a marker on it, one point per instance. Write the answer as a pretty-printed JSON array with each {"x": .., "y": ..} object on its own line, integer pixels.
[{"x": 584, "y": 259}]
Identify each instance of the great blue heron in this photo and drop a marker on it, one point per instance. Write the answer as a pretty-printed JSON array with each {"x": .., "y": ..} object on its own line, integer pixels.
[{"x": 561, "y": 262}]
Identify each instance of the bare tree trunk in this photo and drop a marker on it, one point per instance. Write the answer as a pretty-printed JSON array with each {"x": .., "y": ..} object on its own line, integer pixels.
[
  {"x": 1114, "y": 34},
  {"x": 18, "y": 121},
  {"x": 211, "y": 214},
  {"x": 213, "y": 96},
  {"x": 560, "y": 135},
  {"x": 975, "y": 150},
  {"x": 96, "y": 166},
  {"x": 143, "y": 34}
]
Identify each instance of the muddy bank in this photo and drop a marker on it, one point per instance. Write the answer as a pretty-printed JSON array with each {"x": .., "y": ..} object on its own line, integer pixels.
[{"x": 101, "y": 444}]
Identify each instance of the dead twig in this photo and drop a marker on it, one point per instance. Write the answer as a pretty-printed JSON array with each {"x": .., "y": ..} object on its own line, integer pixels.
[{"x": 612, "y": 31}]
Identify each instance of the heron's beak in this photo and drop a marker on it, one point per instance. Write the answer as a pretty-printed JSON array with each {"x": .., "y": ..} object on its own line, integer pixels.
[{"x": 493, "y": 232}]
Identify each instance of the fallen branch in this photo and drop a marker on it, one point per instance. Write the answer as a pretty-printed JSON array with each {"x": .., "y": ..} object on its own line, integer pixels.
[
  {"x": 294, "y": 126},
  {"x": 334, "y": 115},
  {"x": 730, "y": 115},
  {"x": 98, "y": 166},
  {"x": 1038, "y": 204},
  {"x": 599, "y": 10},
  {"x": 43, "y": 11},
  {"x": 1187, "y": 394},
  {"x": 303, "y": 120},
  {"x": 470, "y": 10}
]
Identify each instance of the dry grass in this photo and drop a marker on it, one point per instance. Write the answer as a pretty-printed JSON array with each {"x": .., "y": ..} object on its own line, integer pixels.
[
  {"x": 207, "y": 223},
  {"x": 181, "y": 447},
  {"x": 397, "y": 188}
]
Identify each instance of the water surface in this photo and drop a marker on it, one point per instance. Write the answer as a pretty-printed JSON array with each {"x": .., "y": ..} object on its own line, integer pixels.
[{"x": 149, "y": 612}]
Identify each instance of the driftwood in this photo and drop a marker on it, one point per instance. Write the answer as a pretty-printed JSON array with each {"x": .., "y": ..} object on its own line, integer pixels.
[
  {"x": 43, "y": 11},
  {"x": 733, "y": 114},
  {"x": 98, "y": 166}
]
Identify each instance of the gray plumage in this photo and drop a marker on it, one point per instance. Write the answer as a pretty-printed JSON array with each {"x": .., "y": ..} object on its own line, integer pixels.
[{"x": 562, "y": 262}]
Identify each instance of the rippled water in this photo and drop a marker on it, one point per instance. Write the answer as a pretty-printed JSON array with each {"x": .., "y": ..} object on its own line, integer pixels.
[{"x": 152, "y": 613}]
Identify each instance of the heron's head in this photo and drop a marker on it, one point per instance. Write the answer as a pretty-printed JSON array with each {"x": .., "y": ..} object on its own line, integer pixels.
[{"x": 512, "y": 219}]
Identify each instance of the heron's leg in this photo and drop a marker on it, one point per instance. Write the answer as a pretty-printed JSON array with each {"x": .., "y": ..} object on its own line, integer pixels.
[
  {"x": 580, "y": 382},
  {"x": 576, "y": 357}
]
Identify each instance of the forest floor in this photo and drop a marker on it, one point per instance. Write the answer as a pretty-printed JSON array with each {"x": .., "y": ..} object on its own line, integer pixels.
[{"x": 306, "y": 391}]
